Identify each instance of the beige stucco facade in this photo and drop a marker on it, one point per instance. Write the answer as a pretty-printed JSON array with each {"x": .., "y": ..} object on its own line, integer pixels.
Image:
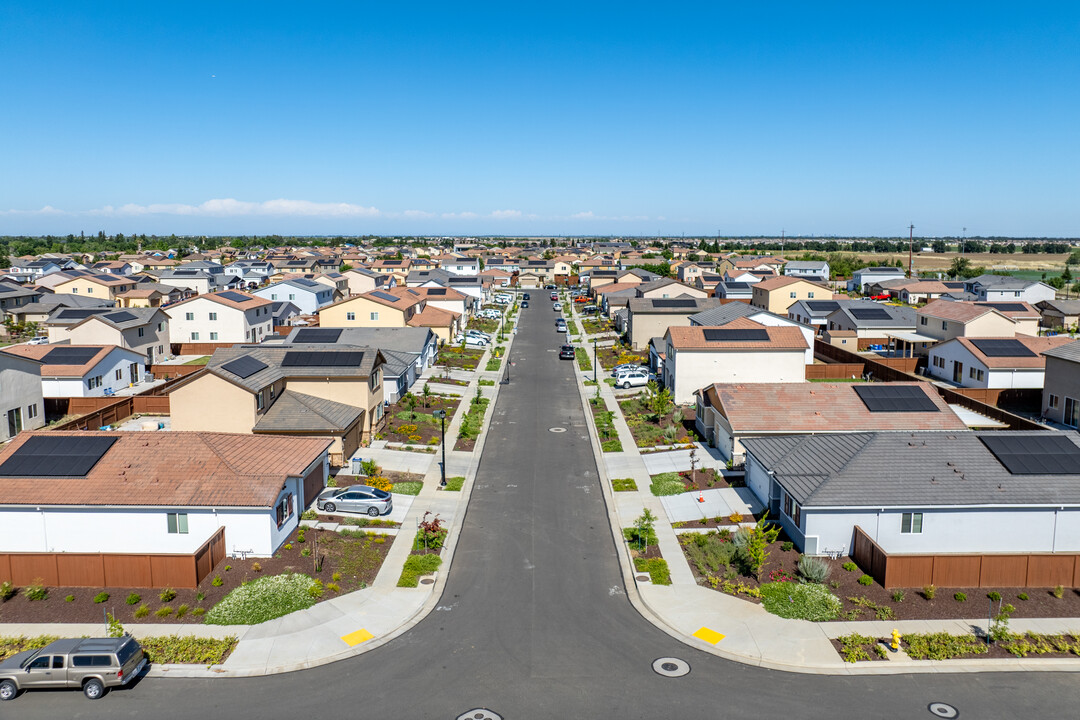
[
  {"x": 91, "y": 288},
  {"x": 674, "y": 291},
  {"x": 360, "y": 311},
  {"x": 643, "y": 327},
  {"x": 212, "y": 404},
  {"x": 991, "y": 324},
  {"x": 779, "y": 299},
  {"x": 152, "y": 343}
]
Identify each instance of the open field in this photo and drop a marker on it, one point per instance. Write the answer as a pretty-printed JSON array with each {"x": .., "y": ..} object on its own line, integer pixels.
[{"x": 928, "y": 262}]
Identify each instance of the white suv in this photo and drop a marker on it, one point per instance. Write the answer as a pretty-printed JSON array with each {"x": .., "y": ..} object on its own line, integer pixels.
[{"x": 632, "y": 378}]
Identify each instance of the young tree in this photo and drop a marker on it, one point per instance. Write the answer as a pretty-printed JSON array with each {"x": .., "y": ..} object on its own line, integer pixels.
[{"x": 644, "y": 527}]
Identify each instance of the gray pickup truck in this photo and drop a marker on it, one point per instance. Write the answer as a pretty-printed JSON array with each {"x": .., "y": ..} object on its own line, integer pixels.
[{"x": 93, "y": 664}]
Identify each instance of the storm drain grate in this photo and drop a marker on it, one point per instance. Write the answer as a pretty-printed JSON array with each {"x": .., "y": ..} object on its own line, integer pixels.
[{"x": 480, "y": 714}]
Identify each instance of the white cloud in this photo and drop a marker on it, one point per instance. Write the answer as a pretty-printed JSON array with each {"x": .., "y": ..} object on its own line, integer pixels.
[
  {"x": 46, "y": 210},
  {"x": 230, "y": 207},
  {"x": 588, "y": 215},
  {"x": 506, "y": 214},
  {"x": 461, "y": 215},
  {"x": 418, "y": 214}
]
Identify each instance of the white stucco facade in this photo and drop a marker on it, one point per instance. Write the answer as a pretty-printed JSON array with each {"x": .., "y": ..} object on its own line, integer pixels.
[
  {"x": 686, "y": 371},
  {"x": 203, "y": 320},
  {"x": 115, "y": 371},
  {"x": 959, "y": 362}
]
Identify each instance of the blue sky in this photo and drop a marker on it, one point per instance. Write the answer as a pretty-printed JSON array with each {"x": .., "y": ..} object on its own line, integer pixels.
[{"x": 534, "y": 118}]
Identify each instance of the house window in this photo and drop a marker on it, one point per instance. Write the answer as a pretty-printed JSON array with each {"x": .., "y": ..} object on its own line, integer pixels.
[
  {"x": 273, "y": 296},
  {"x": 160, "y": 349},
  {"x": 213, "y": 336},
  {"x": 177, "y": 523},
  {"x": 90, "y": 290},
  {"x": 350, "y": 316},
  {"x": 119, "y": 374},
  {"x": 194, "y": 336},
  {"x": 213, "y": 316},
  {"x": 160, "y": 326},
  {"x": 375, "y": 379},
  {"x": 791, "y": 294},
  {"x": 284, "y": 509},
  {"x": 1053, "y": 403},
  {"x": 810, "y": 295},
  {"x": 31, "y": 411},
  {"x": 260, "y": 401},
  {"x": 911, "y": 523},
  {"x": 142, "y": 331},
  {"x": 922, "y": 321},
  {"x": 792, "y": 509},
  {"x": 1072, "y": 412},
  {"x": 374, "y": 316},
  {"x": 975, "y": 374},
  {"x": 944, "y": 325},
  {"x": 94, "y": 382},
  {"x": 189, "y": 316}
]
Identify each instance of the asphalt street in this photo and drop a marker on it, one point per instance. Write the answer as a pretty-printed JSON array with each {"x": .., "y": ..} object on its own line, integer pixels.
[{"x": 535, "y": 623}]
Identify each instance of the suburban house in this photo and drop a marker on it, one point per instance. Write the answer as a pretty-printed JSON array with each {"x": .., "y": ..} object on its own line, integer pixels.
[
  {"x": 809, "y": 269},
  {"x": 1005, "y": 287},
  {"x": 460, "y": 265},
  {"x": 731, "y": 311},
  {"x": 740, "y": 351},
  {"x": 947, "y": 319},
  {"x": 1061, "y": 386},
  {"x": 1006, "y": 362},
  {"x": 870, "y": 275},
  {"x": 958, "y": 492},
  {"x": 78, "y": 495},
  {"x": 813, "y": 312},
  {"x": 308, "y": 295},
  {"x": 914, "y": 292},
  {"x": 144, "y": 330},
  {"x": 309, "y": 390},
  {"x": 256, "y": 271},
  {"x": 600, "y": 278},
  {"x": 421, "y": 344},
  {"x": 378, "y": 308},
  {"x": 728, "y": 413},
  {"x": 226, "y": 317},
  {"x": 83, "y": 370},
  {"x": 105, "y": 287},
  {"x": 871, "y": 320},
  {"x": 650, "y": 317},
  {"x": 21, "y": 400},
  {"x": 734, "y": 290},
  {"x": 284, "y": 312},
  {"x": 150, "y": 295},
  {"x": 668, "y": 288},
  {"x": 13, "y": 296},
  {"x": 1059, "y": 314},
  {"x": 29, "y": 271},
  {"x": 362, "y": 280},
  {"x": 779, "y": 293}
]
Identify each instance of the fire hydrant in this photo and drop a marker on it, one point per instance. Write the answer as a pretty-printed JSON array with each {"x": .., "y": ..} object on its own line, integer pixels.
[{"x": 895, "y": 639}]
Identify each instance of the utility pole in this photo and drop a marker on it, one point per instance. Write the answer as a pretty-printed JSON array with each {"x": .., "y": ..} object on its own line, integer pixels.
[
  {"x": 781, "y": 244},
  {"x": 911, "y": 233},
  {"x": 963, "y": 241}
]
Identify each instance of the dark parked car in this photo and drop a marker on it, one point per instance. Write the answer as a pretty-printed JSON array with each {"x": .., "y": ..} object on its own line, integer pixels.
[
  {"x": 566, "y": 352},
  {"x": 524, "y": 304},
  {"x": 525, "y": 296}
]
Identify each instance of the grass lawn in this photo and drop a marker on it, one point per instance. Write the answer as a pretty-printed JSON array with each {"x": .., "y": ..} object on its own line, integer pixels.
[{"x": 199, "y": 361}]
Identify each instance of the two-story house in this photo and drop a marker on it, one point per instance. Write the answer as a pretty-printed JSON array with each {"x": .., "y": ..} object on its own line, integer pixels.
[
  {"x": 1061, "y": 384},
  {"x": 226, "y": 317},
  {"x": 1006, "y": 288},
  {"x": 308, "y": 295},
  {"x": 22, "y": 404},
  {"x": 105, "y": 287},
  {"x": 374, "y": 309},
  {"x": 777, "y": 294},
  {"x": 143, "y": 330}
]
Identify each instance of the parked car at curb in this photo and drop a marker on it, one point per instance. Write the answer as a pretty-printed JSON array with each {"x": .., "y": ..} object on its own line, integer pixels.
[
  {"x": 554, "y": 296},
  {"x": 524, "y": 304},
  {"x": 525, "y": 296},
  {"x": 566, "y": 352},
  {"x": 560, "y": 325},
  {"x": 92, "y": 664},
  {"x": 355, "y": 498},
  {"x": 478, "y": 333},
  {"x": 557, "y": 307}
]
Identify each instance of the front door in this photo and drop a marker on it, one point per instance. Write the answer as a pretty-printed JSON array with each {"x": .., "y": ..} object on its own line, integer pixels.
[{"x": 958, "y": 373}]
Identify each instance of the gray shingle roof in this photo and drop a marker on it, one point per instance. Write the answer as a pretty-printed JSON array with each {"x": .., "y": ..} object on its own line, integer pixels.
[
  {"x": 273, "y": 355},
  {"x": 296, "y": 412},
  {"x": 407, "y": 340},
  {"x": 1065, "y": 352},
  {"x": 724, "y": 314},
  {"x": 905, "y": 469},
  {"x": 899, "y": 317}
]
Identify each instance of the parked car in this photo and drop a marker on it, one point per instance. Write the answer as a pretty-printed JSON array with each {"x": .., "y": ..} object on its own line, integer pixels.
[
  {"x": 588, "y": 310},
  {"x": 566, "y": 352},
  {"x": 581, "y": 299},
  {"x": 355, "y": 498},
  {"x": 524, "y": 304},
  {"x": 477, "y": 333},
  {"x": 470, "y": 340},
  {"x": 557, "y": 307},
  {"x": 549, "y": 286},
  {"x": 38, "y": 340},
  {"x": 525, "y": 296},
  {"x": 633, "y": 378},
  {"x": 554, "y": 296},
  {"x": 92, "y": 664},
  {"x": 560, "y": 325}
]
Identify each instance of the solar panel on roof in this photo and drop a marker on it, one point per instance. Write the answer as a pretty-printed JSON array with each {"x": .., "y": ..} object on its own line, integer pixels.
[
  {"x": 736, "y": 335},
  {"x": 70, "y": 355},
  {"x": 56, "y": 456},
  {"x": 304, "y": 282},
  {"x": 436, "y": 291},
  {"x": 895, "y": 398},
  {"x": 185, "y": 272},
  {"x": 1005, "y": 306},
  {"x": 737, "y": 285},
  {"x": 1034, "y": 454},
  {"x": 323, "y": 359},
  {"x": 392, "y": 262},
  {"x": 1002, "y": 347},
  {"x": 244, "y": 367},
  {"x": 385, "y": 296},
  {"x": 870, "y": 314},
  {"x": 234, "y": 296},
  {"x": 673, "y": 303},
  {"x": 822, "y": 305},
  {"x": 317, "y": 335},
  {"x": 80, "y": 314},
  {"x": 119, "y": 317}
]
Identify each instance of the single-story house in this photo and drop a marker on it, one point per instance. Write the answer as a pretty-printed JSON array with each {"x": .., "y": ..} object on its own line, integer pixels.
[
  {"x": 1059, "y": 314},
  {"x": 83, "y": 370},
  {"x": 1008, "y": 362}
]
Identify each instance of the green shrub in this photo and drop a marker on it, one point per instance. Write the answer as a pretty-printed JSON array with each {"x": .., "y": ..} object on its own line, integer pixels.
[
  {"x": 101, "y": 597},
  {"x": 484, "y": 382},
  {"x": 994, "y": 595},
  {"x": 409, "y": 487},
  {"x": 415, "y": 566},
  {"x": 614, "y": 445},
  {"x": 813, "y": 569},
  {"x": 142, "y": 611},
  {"x": 262, "y": 599},
  {"x": 787, "y": 546},
  {"x": 800, "y": 601},
  {"x": 167, "y": 595},
  {"x": 306, "y": 552},
  {"x": 69, "y": 598},
  {"x": 187, "y": 649},
  {"x": 182, "y": 610},
  {"x": 1022, "y": 596},
  {"x": 667, "y": 484},
  {"x": 7, "y": 590},
  {"x": 898, "y": 596},
  {"x": 1058, "y": 592},
  {"x": 960, "y": 597},
  {"x": 623, "y": 484},
  {"x": 309, "y": 515},
  {"x": 316, "y": 589},
  {"x": 36, "y": 590},
  {"x": 708, "y": 552},
  {"x": 850, "y": 566},
  {"x": 164, "y": 611},
  {"x": 199, "y": 611},
  {"x": 929, "y": 591},
  {"x": 657, "y": 569},
  {"x": 852, "y": 647},
  {"x": 217, "y": 581},
  {"x": 133, "y": 599},
  {"x": 865, "y": 579},
  {"x": 942, "y": 646}
]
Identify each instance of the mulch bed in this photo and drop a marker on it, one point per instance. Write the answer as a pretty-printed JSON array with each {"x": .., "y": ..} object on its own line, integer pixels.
[
  {"x": 647, "y": 432},
  {"x": 455, "y": 357},
  {"x": 418, "y": 426},
  {"x": 449, "y": 381},
  {"x": 844, "y": 584},
  {"x": 357, "y": 559},
  {"x": 708, "y": 479},
  {"x": 394, "y": 476},
  {"x": 609, "y": 357}
]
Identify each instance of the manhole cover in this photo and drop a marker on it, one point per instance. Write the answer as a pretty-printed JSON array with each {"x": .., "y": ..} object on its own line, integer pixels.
[
  {"x": 480, "y": 714},
  {"x": 426, "y": 581},
  {"x": 671, "y": 667},
  {"x": 941, "y": 710},
  {"x": 642, "y": 577},
  {"x": 556, "y": 429}
]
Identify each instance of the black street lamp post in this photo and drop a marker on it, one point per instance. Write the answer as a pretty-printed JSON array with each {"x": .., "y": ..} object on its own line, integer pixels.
[{"x": 441, "y": 414}]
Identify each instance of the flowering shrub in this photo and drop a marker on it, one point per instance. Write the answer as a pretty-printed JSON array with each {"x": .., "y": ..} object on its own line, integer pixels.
[
  {"x": 263, "y": 599},
  {"x": 735, "y": 517},
  {"x": 415, "y": 438},
  {"x": 781, "y": 575},
  {"x": 406, "y": 429},
  {"x": 381, "y": 483}
]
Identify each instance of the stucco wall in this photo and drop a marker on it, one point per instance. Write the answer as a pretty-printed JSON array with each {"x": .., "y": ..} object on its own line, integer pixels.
[
  {"x": 692, "y": 370},
  {"x": 212, "y": 404},
  {"x": 20, "y": 387}
]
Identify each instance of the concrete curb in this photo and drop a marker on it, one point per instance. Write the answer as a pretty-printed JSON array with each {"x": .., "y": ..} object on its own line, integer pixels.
[{"x": 656, "y": 617}]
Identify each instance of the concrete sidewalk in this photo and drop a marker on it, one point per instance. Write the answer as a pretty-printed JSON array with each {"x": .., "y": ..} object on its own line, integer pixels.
[{"x": 743, "y": 631}]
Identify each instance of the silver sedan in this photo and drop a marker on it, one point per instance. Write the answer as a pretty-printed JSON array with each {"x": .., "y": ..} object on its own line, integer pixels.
[{"x": 355, "y": 498}]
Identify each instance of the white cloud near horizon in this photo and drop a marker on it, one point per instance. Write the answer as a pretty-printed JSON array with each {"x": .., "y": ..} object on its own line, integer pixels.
[
  {"x": 230, "y": 207},
  {"x": 502, "y": 214}
]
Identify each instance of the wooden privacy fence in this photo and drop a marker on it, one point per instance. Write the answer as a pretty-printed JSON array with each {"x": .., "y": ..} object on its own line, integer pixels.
[
  {"x": 833, "y": 371},
  {"x": 964, "y": 569},
  {"x": 114, "y": 569},
  {"x": 1015, "y": 422},
  {"x": 101, "y": 411},
  {"x": 198, "y": 348},
  {"x": 166, "y": 372}
]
